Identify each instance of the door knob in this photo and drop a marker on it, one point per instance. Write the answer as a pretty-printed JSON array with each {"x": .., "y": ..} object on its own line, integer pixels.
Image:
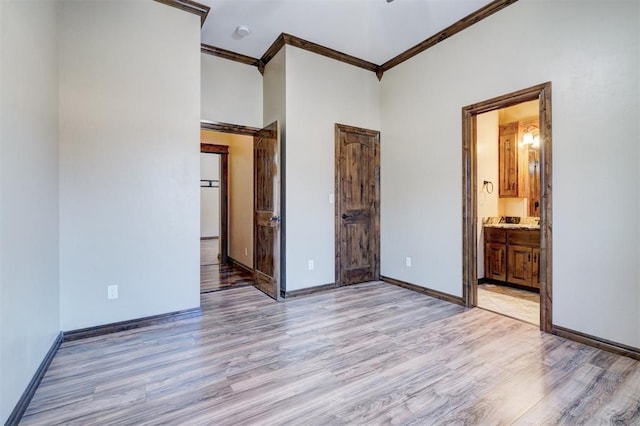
[
  {"x": 274, "y": 218},
  {"x": 344, "y": 215}
]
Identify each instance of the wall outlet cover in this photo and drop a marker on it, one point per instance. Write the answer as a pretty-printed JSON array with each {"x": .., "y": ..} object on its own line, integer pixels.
[{"x": 112, "y": 292}]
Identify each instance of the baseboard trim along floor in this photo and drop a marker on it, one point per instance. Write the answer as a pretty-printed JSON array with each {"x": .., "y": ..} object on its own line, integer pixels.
[
  {"x": 27, "y": 395},
  {"x": 310, "y": 290},
  {"x": 429, "y": 292},
  {"x": 115, "y": 327},
  {"x": 596, "y": 342}
]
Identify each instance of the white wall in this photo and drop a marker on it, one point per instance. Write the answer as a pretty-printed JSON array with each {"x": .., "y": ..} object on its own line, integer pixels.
[
  {"x": 319, "y": 93},
  {"x": 231, "y": 92},
  {"x": 275, "y": 90},
  {"x": 275, "y": 108},
  {"x": 487, "y": 170},
  {"x": 29, "y": 287},
  {"x": 589, "y": 51},
  {"x": 129, "y": 160},
  {"x": 210, "y": 197}
]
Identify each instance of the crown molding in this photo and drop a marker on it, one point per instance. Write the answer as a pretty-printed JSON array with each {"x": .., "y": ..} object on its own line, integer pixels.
[
  {"x": 273, "y": 50},
  {"x": 228, "y": 54},
  {"x": 455, "y": 28},
  {"x": 228, "y": 128},
  {"x": 189, "y": 6},
  {"x": 291, "y": 40}
]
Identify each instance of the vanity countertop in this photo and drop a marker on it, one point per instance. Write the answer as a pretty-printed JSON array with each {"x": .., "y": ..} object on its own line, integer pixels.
[
  {"x": 512, "y": 226},
  {"x": 507, "y": 222}
]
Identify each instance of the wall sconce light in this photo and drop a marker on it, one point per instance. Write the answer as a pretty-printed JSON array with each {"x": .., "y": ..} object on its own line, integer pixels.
[{"x": 531, "y": 137}]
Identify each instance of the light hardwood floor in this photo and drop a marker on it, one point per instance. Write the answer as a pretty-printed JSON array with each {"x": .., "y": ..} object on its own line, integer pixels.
[
  {"x": 221, "y": 277},
  {"x": 513, "y": 302},
  {"x": 365, "y": 354},
  {"x": 209, "y": 251},
  {"x": 215, "y": 276}
]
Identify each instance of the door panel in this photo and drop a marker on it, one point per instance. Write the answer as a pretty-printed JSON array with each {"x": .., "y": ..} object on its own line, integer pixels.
[
  {"x": 519, "y": 262},
  {"x": 266, "y": 149},
  {"x": 495, "y": 265},
  {"x": 357, "y": 205}
]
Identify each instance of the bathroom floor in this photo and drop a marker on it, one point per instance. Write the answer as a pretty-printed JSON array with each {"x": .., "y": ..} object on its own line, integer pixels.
[{"x": 515, "y": 303}]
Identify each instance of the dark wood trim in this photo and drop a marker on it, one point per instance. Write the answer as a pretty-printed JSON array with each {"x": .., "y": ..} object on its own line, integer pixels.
[
  {"x": 224, "y": 208},
  {"x": 273, "y": 50},
  {"x": 310, "y": 46},
  {"x": 284, "y": 39},
  {"x": 597, "y": 342},
  {"x": 208, "y": 238},
  {"x": 228, "y": 54},
  {"x": 310, "y": 290},
  {"x": 236, "y": 129},
  {"x": 21, "y": 406},
  {"x": 232, "y": 261},
  {"x": 190, "y": 6},
  {"x": 210, "y": 148},
  {"x": 469, "y": 211},
  {"x": 455, "y": 28},
  {"x": 541, "y": 92},
  {"x": 223, "y": 151},
  {"x": 100, "y": 330},
  {"x": 429, "y": 292}
]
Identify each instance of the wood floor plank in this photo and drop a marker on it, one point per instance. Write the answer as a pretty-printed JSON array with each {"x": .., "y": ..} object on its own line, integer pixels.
[{"x": 371, "y": 353}]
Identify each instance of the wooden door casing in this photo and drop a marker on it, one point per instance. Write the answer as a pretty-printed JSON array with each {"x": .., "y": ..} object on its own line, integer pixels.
[
  {"x": 266, "y": 221},
  {"x": 223, "y": 151},
  {"x": 542, "y": 93},
  {"x": 357, "y": 213}
]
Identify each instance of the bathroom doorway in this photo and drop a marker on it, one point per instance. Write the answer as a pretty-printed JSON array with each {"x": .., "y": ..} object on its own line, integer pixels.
[{"x": 507, "y": 205}]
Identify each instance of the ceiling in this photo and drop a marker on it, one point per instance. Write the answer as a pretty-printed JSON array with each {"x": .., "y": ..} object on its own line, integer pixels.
[{"x": 373, "y": 30}]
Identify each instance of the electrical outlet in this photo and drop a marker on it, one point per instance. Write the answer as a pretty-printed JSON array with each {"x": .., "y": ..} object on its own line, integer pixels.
[
  {"x": 407, "y": 261},
  {"x": 112, "y": 292},
  {"x": 246, "y": 251},
  {"x": 311, "y": 265}
]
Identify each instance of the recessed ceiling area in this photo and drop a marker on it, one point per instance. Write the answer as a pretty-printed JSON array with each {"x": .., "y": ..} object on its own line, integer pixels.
[{"x": 373, "y": 30}]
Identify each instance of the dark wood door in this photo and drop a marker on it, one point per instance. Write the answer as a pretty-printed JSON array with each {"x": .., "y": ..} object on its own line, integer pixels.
[
  {"x": 357, "y": 205},
  {"x": 266, "y": 219}
]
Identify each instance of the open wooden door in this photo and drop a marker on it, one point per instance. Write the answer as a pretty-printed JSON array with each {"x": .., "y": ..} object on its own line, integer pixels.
[
  {"x": 357, "y": 205},
  {"x": 266, "y": 217}
]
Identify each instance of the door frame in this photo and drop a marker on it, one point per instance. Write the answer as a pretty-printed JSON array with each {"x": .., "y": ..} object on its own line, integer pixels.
[
  {"x": 542, "y": 93},
  {"x": 339, "y": 129},
  {"x": 223, "y": 151}
]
